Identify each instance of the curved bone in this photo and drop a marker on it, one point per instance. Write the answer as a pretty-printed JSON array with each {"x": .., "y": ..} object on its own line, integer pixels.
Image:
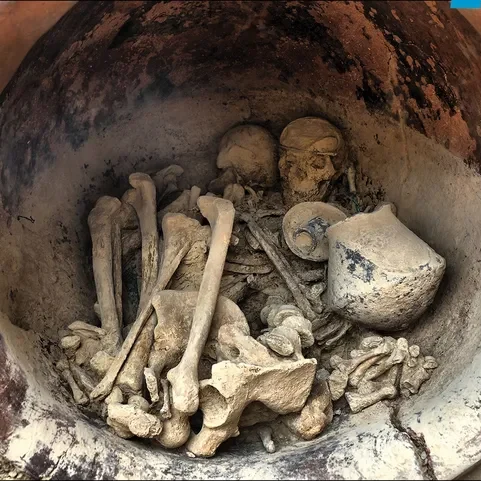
[
  {"x": 100, "y": 225},
  {"x": 184, "y": 377},
  {"x": 283, "y": 388}
]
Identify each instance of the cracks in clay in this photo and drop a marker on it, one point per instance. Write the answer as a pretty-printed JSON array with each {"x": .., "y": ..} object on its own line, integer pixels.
[
  {"x": 421, "y": 449},
  {"x": 60, "y": 459}
]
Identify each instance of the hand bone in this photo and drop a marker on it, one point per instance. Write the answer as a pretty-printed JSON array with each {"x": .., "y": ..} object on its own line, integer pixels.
[
  {"x": 358, "y": 402},
  {"x": 78, "y": 396}
]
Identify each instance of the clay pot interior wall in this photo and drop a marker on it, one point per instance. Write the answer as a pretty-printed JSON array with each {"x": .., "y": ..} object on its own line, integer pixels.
[{"x": 116, "y": 87}]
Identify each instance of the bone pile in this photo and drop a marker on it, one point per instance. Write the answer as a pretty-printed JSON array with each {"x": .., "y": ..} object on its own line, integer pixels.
[
  {"x": 379, "y": 369},
  {"x": 174, "y": 270}
]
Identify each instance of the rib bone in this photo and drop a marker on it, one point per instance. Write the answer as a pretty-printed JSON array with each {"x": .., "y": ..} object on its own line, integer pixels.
[{"x": 291, "y": 279}]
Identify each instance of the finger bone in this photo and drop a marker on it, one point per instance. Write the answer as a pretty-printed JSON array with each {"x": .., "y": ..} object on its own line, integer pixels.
[
  {"x": 152, "y": 385},
  {"x": 265, "y": 434},
  {"x": 78, "y": 396}
]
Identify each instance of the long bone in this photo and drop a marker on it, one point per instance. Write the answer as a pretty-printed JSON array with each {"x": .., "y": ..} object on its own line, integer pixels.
[
  {"x": 178, "y": 239},
  {"x": 125, "y": 218},
  {"x": 144, "y": 202},
  {"x": 175, "y": 228},
  {"x": 290, "y": 278},
  {"x": 100, "y": 225},
  {"x": 175, "y": 310},
  {"x": 184, "y": 377}
]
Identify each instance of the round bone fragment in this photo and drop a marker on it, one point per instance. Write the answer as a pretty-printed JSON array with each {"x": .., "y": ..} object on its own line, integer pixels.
[
  {"x": 70, "y": 344},
  {"x": 280, "y": 312},
  {"x": 282, "y": 340},
  {"x": 100, "y": 362},
  {"x": 303, "y": 327},
  {"x": 414, "y": 350},
  {"x": 304, "y": 227},
  {"x": 251, "y": 151},
  {"x": 430, "y": 362},
  {"x": 139, "y": 402},
  {"x": 312, "y": 154},
  {"x": 381, "y": 275}
]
